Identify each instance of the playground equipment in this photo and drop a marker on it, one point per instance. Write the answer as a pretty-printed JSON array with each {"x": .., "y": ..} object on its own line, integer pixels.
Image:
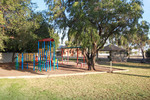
[
  {"x": 77, "y": 49},
  {"x": 44, "y": 59}
]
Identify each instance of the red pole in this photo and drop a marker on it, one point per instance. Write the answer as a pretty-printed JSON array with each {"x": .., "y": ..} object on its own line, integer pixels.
[
  {"x": 62, "y": 55},
  {"x": 77, "y": 56}
]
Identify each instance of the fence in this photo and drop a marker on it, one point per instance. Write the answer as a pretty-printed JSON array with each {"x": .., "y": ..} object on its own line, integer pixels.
[{"x": 6, "y": 57}]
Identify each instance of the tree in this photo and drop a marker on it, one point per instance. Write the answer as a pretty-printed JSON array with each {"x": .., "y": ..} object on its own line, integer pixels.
[
  {"x": 3, "y": 37},
  {"x": 136, "y": 38},
  {"x": 53, "y": 34},
  {"x": 125, "y": 40},
  {"x": 141, "y": 39},
  {"x": 91, "y": 23},
  {"x": 16, "y": 19},
  {"x": 148, "y": 53},
  {"x": 43, "y": 26},
  {"x": 21, "y": 27}
]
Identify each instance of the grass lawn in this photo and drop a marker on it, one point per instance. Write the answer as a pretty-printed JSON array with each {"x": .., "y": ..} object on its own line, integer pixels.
[{"x": 131, "y": 85}]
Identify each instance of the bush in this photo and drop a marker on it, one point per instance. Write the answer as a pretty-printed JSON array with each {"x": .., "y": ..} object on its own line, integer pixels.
[{"x": 148, "y": 53}]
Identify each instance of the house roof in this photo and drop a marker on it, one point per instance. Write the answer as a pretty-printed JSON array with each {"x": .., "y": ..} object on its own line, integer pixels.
[{"x": 112, "y": 48}]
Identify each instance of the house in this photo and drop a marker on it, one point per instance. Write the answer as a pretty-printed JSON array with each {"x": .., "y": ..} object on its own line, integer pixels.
[{"x": 69, "y": 51}]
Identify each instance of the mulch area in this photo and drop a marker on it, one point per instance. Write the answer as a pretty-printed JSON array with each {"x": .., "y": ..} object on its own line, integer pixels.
[{"x": 8, "y": 69}]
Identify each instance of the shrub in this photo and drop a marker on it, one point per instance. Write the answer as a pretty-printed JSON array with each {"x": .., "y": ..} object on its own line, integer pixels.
[{"x": 148, "y": 53}]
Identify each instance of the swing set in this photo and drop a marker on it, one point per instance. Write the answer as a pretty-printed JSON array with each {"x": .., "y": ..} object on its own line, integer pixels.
[{"x": 77, "y": 49}]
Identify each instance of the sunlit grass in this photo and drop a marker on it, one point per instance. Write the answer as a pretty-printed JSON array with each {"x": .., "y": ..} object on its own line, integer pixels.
[{"x": 134, "y": 84}]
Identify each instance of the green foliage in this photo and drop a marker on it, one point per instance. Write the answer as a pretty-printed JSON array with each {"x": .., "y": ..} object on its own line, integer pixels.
[
  {"x": 91, "y": 23},
  {"x": 148, "y": 53},
  {"x": 2, "y": 38},
  {"x": 134, "y": 39},
  {"x": 141, "y": 39},
  {"x": 55, "y": 36},
  {"x": 94, "y": 21},
  {"x": 43, "y": 27},
  {"x": 17, "y": 24},
  {"x": 22, "y": 26},
  {"x": 69, "y": 43}
]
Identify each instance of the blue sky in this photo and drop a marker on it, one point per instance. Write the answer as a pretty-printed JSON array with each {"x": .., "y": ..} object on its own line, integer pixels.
[
  {"x": 41, "y": 4},
  {"x": 146, "y": 16}
]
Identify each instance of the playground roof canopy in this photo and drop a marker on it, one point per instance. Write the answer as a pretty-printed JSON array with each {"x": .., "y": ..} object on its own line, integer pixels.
[
  {"x": 69, "y": 47},
  {"x": 47, "y": 39},
  {"x": 2, "y": 26},
  {"x": 112, "y": 48}
]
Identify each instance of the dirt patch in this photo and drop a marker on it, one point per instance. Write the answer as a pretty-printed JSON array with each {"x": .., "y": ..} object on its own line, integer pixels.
[{"x": 8, "y": 69}]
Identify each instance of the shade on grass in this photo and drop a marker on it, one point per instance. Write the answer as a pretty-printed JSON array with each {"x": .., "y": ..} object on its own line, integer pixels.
[{"x": 134, "y": 84}]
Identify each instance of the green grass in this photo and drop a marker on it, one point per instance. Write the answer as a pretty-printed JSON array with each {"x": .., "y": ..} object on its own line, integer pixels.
[{"x": 131, "y": 85}]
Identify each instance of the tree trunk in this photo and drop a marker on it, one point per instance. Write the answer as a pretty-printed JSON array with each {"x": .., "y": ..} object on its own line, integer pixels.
[
  {"x": 91, "y": 63},
  {"x": 143, "y": 60},
  {"x": 13, "y": 57},
  {"x": 143, "y": 54},
  {"x": 128, "y": 53},
  {"x": 97, "y": 54},
  {"x": 90, "y": 56}
]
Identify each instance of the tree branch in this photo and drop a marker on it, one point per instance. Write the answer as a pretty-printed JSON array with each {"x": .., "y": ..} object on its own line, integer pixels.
[{"x": 110, "y": 33}]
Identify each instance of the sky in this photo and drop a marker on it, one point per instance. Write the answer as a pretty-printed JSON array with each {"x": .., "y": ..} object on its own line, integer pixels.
[
  {"x": 146, "y": 16},
  {"x": 41, "y": 5}
]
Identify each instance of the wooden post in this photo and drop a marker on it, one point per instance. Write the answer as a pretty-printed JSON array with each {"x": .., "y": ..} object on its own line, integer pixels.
[
  {"x": 111, "y": 62},
  {"x": 67, "y": 55},
  {"x": 77, "y": 57},
  {"x": 62, "y": 55}
]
